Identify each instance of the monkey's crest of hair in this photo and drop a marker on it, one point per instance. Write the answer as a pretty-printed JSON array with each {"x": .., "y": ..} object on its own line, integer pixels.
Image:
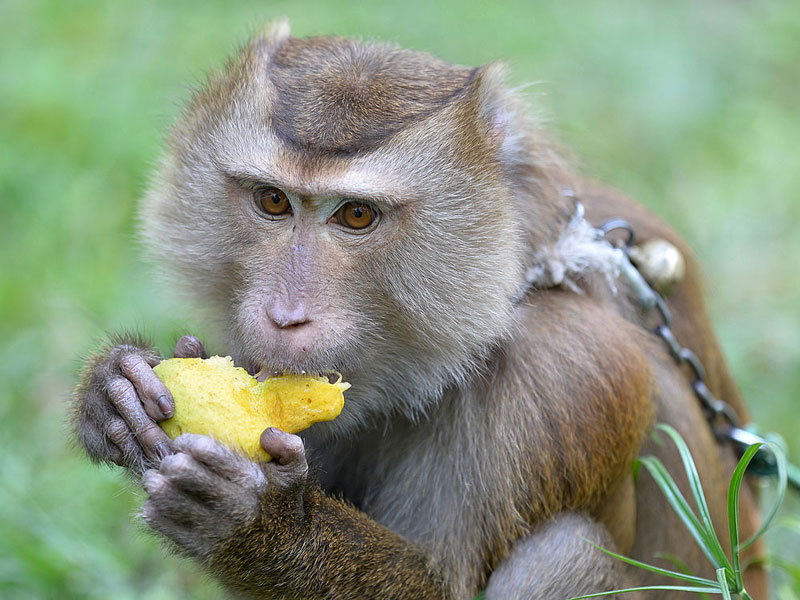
[{"x": 470, "y": 184}]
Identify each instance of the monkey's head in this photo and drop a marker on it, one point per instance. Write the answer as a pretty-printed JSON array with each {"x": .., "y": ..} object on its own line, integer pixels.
[{"x": 353, "y": 207}]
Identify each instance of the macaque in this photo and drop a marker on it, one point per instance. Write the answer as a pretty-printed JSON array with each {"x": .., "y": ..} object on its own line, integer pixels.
[{"x": 339, "y": 206}]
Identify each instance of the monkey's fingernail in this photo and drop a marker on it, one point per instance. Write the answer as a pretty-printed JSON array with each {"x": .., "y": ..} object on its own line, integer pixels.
[
  {"x": 165, "y": 405},
  {"x": 163, "y": 450}
]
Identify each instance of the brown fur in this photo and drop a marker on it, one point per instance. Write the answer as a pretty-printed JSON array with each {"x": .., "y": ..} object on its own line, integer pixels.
[
  {"x": 365, "y": 93},
  {"x": 327, "y": 533},
  {"x": 481, "y": 440}
]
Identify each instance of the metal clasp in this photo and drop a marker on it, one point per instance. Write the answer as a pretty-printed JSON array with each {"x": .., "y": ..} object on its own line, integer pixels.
[{"x": 764, "y": 462}]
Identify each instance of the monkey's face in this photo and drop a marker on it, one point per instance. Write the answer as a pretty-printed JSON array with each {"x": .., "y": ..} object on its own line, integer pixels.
[{"x": 390, "y": 258}]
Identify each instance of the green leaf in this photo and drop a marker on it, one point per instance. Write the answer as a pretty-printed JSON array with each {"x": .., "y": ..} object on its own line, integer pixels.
[
  {"x": 654, "y": 569},
  {"x": 733, "y": 509},
  {"x": 635, "y": 468},
  {"x": 697, "y": 492},
  {"x": 780, "y": 457},
  {"x": 722, "y": 577},
  {"x": 681, "y": 566},
  {"x": 677, "y": 588},
  {"x": 681, "y": 507}
]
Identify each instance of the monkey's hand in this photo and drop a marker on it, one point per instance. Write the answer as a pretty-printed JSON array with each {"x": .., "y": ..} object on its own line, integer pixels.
[
  {"x": 119, "y": 401},
  {"x": 205, "y": 491},
  {"x": 266, "y": 531}
]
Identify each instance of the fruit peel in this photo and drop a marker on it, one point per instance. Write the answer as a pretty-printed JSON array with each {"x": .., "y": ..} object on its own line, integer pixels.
[{"x": 213, "y": 397}]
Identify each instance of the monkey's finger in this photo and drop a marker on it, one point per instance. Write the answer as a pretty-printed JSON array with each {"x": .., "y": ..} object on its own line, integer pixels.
[
  {"x": 153, "y": 481},
  {"x": 182, "y": 521},
  {"x": 152, "y": 439},
  {"x": 154, "y": 395},
  {"x": 167, "y": 503},
  {"x": 123, "y": 449},
  {"x": 220, "y": 459},
  {"x": 184, "y": 535},
  {"x": 189, "y": 347},
  {"x": 193, "y": 478},
  {"x": 114, "y": 454},
  {"x": 286, "y": 449},
  {"x": 96, "y": 429}
]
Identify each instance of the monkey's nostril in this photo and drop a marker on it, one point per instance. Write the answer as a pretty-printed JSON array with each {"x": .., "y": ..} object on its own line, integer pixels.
[
  {"x": 292, "y": 324},
  {"x": 290, "y": 318}
]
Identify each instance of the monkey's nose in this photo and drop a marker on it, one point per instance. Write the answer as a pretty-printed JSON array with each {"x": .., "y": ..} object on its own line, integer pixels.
[{"x": 285, "y": 317}]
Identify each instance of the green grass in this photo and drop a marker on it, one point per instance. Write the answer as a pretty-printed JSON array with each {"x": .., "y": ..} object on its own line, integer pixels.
[
  {"x": 691, "y": 107},
  {"x": 697, "y": 520}
]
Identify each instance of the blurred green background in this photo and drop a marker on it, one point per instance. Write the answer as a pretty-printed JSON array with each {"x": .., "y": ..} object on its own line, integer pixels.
[{"x": 692, "y": 107}]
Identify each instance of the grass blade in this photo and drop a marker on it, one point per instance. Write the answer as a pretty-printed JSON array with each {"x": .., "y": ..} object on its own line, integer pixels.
[
  {"x": 681, "y": 566},
  {"x": 697, "y": 492},
  {"x": 733, "y": 508},
  {"x": 780, "y": 458},
  {"x": 676, "y": 588},
  {"x": 722, "y": 577},
  {"x": 648, "y": 567},
  {"x": 681, "y": 507}
]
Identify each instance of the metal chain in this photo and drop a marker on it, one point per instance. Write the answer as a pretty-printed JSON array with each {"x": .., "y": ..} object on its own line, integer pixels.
[{"x": 721, "y": 416}]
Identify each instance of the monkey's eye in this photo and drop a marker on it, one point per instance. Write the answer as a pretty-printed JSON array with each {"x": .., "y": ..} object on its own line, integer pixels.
[
  {"x": 355, "y": 215},
  {"x": 272, "y": 201}
]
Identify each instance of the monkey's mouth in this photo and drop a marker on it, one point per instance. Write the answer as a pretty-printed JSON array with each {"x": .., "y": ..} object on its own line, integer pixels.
[{"x": 266, "y": 372}]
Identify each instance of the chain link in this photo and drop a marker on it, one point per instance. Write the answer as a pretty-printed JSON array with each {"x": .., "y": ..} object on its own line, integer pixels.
[{"x": 720, "y": 414}]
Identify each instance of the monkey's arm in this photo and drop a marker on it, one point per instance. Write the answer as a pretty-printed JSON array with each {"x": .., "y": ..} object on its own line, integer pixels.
[
  {"x": 266, "y": 531},
  {"x": 326, "y": 549}
]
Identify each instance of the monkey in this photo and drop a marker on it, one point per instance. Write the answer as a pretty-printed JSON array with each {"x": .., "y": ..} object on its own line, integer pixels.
[{"x": 336, "y": 205}]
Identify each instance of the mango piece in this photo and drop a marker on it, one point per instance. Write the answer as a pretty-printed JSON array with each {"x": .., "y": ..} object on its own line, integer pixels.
[{"x": 215, "y": 398}]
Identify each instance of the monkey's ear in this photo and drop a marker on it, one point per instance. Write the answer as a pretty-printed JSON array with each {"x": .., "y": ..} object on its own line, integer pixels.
[
  {"x": 274, "y": 34},
  {"x": 497, "y": 108}
]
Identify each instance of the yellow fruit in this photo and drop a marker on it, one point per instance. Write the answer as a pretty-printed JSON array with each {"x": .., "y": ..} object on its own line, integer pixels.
[{"x": 215, "y": 398}]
